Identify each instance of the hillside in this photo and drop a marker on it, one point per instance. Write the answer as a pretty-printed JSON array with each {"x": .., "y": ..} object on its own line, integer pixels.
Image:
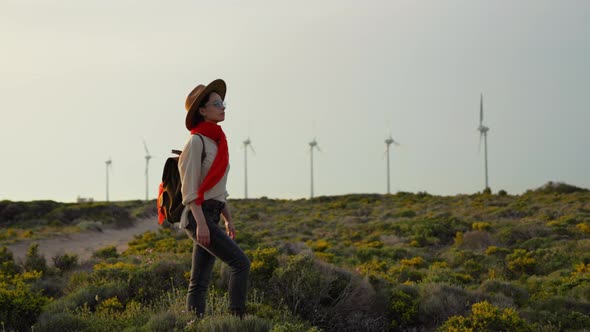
[{"x": 403, "y": 262}]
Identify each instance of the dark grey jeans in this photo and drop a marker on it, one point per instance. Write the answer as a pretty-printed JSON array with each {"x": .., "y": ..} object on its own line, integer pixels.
[{"x": 224, "y": 248}]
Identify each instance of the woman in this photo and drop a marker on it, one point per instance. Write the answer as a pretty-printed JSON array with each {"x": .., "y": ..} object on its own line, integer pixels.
[{"x": 204, "y": 197}]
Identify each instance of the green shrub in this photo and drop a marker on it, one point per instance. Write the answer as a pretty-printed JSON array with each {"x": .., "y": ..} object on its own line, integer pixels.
[
  {"x": 88, "y": 297},
  {"x": 350, "y": 303},
  {"x": 518, "y": 233},
  {"x": 61, "y": 321},
  {"x": 441, "y": 273},
  {"x": 78, "y": 279},
  {"x": 226, "y": 323},
  {"x": 87, "y": 225},
  {"x": 467, "y": 260},
  {"x": 149, "y": 282},
  {"x": 406, "y": 213},
  {"x": 161, "y": 322},
  {"x": 293, "y": 327},
  {"x": 438, "y": 302},
  {"x": 51, "y": 286},
  {"x": 445, "y": 228},
  {"x": 17, "y": 212},
  {"x": 7, "y": 264},
  {"x": 65, "y": 262},
  {"x": 537, "y": 243},
  {"x": 108, "y": 213},
  {"x": 497, "y": 251},
  {"x": 366, "y": 254},
  {"x": 145, "y": 210},
  {"x": 561, "y": 311},
  {"x": 423, "y": 194},
  {"x": 476, "y": 240},
  {"x": 558, "y": 188},
  {"x": 404, "y": 274},
  {"x": 518, "y": 294},
  {"x": 106, "y": 252},
  {"x": 403, "y": 307},
  {"x": 553, "y": 259},
  {"x": 33, "y": 260},
  {"x": 329, "y": 297},
  {"x": 297, "y": 283}
]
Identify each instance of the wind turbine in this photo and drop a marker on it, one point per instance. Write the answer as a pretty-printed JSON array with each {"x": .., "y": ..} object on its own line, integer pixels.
[
  {"x": 247, "y": 143},
  {"x": 388, "y": 142},
  {"x": 147, "y": 162},
  {"x": 313, "y": 144},
  {"x": 108, "y": 165},
  {"x": 483, "y": 132}
]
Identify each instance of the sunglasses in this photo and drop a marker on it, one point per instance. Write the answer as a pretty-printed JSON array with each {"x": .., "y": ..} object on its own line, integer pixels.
[{"x": 219, "y": 104}]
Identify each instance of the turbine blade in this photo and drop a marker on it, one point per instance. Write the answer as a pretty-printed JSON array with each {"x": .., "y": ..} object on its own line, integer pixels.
[
  {"x": 252, "y": 148},
  {"x": 147, "y": 153},
  {"x": 481, "y": 110}
]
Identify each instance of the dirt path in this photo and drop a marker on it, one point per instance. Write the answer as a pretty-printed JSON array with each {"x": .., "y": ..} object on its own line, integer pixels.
[{"x": 85, "y": 243}]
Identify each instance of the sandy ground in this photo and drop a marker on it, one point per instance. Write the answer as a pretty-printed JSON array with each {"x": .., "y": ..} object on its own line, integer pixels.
[{"x": 85, "y": 243}]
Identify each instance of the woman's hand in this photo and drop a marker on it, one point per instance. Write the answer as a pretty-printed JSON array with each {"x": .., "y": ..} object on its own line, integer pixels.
[
  {"x": 203, "y": 237},
  {"x": 202, "y": 232},
  {"x": 230, "y": 229}
]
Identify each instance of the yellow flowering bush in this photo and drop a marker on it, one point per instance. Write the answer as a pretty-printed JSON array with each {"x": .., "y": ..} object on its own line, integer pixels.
[
  {"x": 486, "y": 317},
  {"x": 481, "y": 226},
  {"x": 584, "y": 228},
  {"x": 20, "y": 304},
  {"x": 521, "y": 261},
  {"x": 263, "y": 262},
  {"x": 109, "y": 306}
]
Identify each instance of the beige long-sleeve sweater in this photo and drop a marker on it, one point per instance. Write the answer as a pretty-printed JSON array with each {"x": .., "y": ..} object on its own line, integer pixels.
[{"x": 192, "y": 173}]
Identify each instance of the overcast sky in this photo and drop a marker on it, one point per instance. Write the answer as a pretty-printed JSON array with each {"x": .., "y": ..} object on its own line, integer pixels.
[{"x": 82, "y": 81}]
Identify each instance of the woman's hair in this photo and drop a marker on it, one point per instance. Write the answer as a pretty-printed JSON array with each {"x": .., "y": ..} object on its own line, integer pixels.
[{"x": 205, "y": 100}]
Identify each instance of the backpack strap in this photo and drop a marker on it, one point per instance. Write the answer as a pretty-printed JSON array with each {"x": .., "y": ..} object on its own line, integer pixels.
[{"x": 203, "y": 153}]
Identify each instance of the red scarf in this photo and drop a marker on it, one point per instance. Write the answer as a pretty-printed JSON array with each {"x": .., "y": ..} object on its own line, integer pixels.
[{"x": 219, "y": 166}]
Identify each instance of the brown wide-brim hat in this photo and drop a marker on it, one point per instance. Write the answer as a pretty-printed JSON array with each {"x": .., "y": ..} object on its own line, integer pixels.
[{"x": 193, "y": 100}]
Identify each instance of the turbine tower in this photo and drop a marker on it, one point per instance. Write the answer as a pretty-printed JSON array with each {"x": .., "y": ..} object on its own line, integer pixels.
[
  {"x": 313, "y": 144},
  {"x": 147, "y": 162},
  {"x": 483, "y": 132},
  {"x": 108, "y": 165},
  {"x": 388, "y": 142},
  {"x": 247, "y": 143}
]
